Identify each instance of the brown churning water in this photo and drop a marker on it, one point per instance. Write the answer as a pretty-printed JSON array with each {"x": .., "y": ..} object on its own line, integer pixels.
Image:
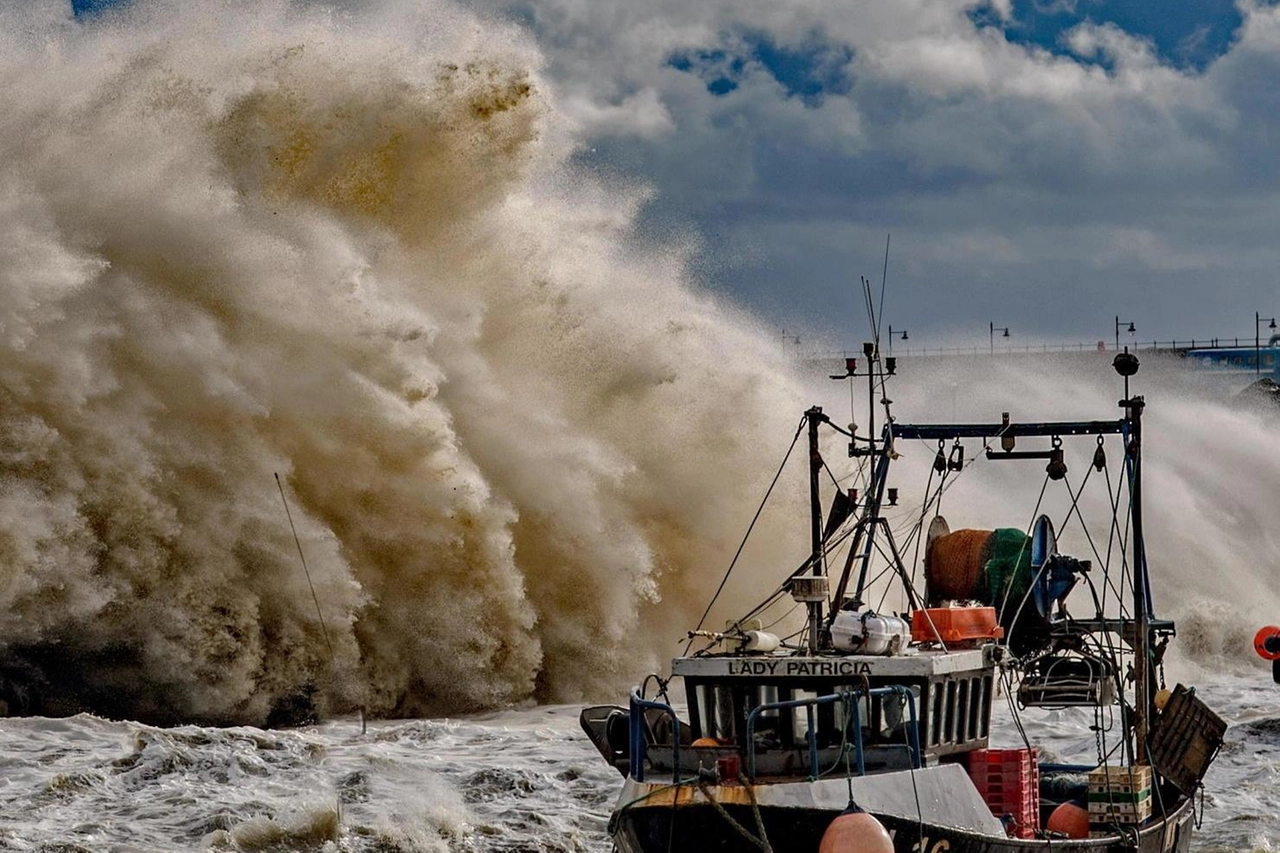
[{"x": 247, "y": 238}]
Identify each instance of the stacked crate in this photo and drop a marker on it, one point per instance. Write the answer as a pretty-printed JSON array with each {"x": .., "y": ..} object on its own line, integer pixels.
[
  {"x": 1118, "y": 795},
  {"x": 1009, "y": 782}
]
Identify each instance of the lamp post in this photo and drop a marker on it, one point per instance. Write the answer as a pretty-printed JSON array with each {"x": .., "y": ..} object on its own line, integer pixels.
[
  {"x": 1132, "y": 330},
  {"x": 992, "y": 327},
  {"x": 904, "y": 337},
  {"x": 1257, "y": 339}
]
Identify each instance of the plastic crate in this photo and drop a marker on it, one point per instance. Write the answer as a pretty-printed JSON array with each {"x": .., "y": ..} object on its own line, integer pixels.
[
  {"x": 1119, "y": 780},
  {"x": 1009, "y": 782},
  {"x": 953, "y": 625},
  {"x": 1002, "y": 759},
  {"x": 1126, "y": 813},
  {"x": 1119, "y": 795}
]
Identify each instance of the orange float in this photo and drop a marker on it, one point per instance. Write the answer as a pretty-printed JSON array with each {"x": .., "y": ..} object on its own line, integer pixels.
[
  {"x": 1267, "y": 642},
  {"x": 855, "y": 831},
  {"x": 1069, "y": 819}
]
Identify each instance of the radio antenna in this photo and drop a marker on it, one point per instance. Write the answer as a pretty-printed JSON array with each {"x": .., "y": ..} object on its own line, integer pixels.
[{"x": 884, "y": 278}]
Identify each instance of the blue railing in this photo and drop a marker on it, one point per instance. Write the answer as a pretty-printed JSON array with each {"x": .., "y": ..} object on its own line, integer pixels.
[
  {"x": 639, "y": 748},
  {"x": 639, "y": 745},
  {"x": 850, "y": 699}
]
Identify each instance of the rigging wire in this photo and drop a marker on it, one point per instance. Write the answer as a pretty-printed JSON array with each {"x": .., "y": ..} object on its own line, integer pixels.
[
  {"x": 1009, "y": 587},
  {"x": 747, "y": 535},
  {"x": 324, "y": 629},
  {"x": 790, "y": 610},
  {"x": 1075, "y": 498}
]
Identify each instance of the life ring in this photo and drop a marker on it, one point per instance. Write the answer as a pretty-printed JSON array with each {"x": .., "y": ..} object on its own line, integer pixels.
[{"x": 1267, "y": 642}]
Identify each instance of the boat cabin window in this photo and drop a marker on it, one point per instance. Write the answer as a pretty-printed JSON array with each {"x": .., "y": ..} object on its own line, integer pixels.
[{"x": 720, "y": 711}]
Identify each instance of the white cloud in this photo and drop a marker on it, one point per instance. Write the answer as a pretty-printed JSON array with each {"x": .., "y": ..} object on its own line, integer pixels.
[
  {"x": 1103, "y": 162},
  {"x": 641, "y": 114}
]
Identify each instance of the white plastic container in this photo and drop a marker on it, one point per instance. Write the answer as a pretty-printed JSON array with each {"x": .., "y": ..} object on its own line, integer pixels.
[
  {"x": 869, "y": 634},
  {"x": 761, "y": 642}
]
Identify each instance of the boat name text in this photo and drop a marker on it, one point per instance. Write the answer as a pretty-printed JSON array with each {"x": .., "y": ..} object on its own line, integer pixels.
[{"x": 799, "y": 667}]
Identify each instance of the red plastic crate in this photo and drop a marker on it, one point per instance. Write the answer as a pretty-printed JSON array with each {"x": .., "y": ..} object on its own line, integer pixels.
[{"x": 1009, "y": 783}]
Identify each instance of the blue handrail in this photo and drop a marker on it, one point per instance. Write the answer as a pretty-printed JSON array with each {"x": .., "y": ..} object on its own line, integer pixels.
[
  {"x": 638, "y": 746},
  {"x": 849, "y": 698}
]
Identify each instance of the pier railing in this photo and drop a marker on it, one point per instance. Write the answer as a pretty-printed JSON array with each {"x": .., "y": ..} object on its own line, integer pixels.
[{"x": 1174, "y": 345}]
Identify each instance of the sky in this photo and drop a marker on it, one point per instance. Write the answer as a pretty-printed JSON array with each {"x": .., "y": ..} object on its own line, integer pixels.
[{"x": 1041, "y": 165}]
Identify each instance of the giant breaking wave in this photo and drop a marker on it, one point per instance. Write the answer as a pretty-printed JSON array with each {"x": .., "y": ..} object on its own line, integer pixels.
[{"x": 245, "y": 239}]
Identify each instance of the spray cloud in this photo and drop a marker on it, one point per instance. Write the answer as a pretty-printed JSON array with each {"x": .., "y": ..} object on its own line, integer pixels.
[{"x": 247, "y": 238}]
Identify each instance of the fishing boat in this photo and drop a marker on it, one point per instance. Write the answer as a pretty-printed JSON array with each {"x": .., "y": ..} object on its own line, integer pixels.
[{"x": 869, "y": 730}]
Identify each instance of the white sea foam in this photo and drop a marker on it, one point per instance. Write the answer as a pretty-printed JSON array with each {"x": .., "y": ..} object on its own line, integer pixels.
[{"x": 247, "y": 238}]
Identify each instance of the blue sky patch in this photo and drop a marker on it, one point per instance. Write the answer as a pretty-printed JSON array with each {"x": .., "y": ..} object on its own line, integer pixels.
[
  {"x": 809, "y": 71},
  {"x": 1189, "y": 36},
  {"x": 89, "y": 7}
]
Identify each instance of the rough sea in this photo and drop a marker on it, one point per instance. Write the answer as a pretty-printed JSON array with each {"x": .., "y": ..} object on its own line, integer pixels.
[
  {"x": 521, "y": 780},
  {"x": 517, "y": 444}
]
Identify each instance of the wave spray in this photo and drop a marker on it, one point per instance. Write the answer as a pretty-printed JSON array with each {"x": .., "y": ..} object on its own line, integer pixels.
[{"x": 248, "y": 238}]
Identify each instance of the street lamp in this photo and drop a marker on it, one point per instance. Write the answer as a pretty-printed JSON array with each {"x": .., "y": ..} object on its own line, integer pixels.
[
  {"x": 992, "y": 328},
  {"x": 904, "y": 337},
  {"x": 1257, "y": 339},
  {"x": 1132, "y": 330}
]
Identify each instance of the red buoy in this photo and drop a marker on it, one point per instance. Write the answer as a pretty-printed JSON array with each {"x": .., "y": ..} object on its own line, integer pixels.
[
  {"x": 855, "y": 831},
  {"x": 1069, "y": 819},
  {"x": 1267, "y": 642}
]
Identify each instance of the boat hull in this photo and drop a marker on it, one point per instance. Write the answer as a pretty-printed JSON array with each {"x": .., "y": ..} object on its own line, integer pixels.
[{"x": 699, "y": 827}]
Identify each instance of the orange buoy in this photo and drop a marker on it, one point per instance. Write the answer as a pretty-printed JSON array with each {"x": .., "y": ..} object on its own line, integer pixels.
[
  {"x": 1069, "y": 819},
  {"x": 1267, "y": 642},
  {"x": 855, "y": 831},
  {"x": 705, "y": 741}
]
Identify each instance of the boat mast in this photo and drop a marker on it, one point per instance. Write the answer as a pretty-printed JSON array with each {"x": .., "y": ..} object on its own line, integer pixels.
[
  {"x": 1126, "y": 364},
  {"x": 878, "y": 471},
  {"x": 815, "y": 417}
]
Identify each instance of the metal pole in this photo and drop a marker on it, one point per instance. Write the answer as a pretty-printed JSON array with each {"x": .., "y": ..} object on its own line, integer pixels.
[
  {"x": 992, "y": 324},
  {"x": 814, "y": 416},
  {"x": 1117, "y": 333},
  {"x": 1257, "y": 344},
  {"x": 1143, "y": 697}
]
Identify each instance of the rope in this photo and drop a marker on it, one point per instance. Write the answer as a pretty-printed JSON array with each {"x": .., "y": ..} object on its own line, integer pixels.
[
  {"x": 761, "y": 843},
  {"x": 755, "y": 811}
]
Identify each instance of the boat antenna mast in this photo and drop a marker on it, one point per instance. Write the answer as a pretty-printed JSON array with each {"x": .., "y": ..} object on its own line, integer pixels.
[
  {"x": 878, "y": 453},
  {"x": 1126, "y": 364}
]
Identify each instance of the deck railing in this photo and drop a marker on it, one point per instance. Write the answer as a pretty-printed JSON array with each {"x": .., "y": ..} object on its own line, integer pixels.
[
  {"x": 850, "y": 699},
  {"x": 639, "y": 747}
]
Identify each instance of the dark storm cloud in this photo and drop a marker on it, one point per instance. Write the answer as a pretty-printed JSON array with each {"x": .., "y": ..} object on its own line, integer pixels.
[{"x": 1050, "y": 163}]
